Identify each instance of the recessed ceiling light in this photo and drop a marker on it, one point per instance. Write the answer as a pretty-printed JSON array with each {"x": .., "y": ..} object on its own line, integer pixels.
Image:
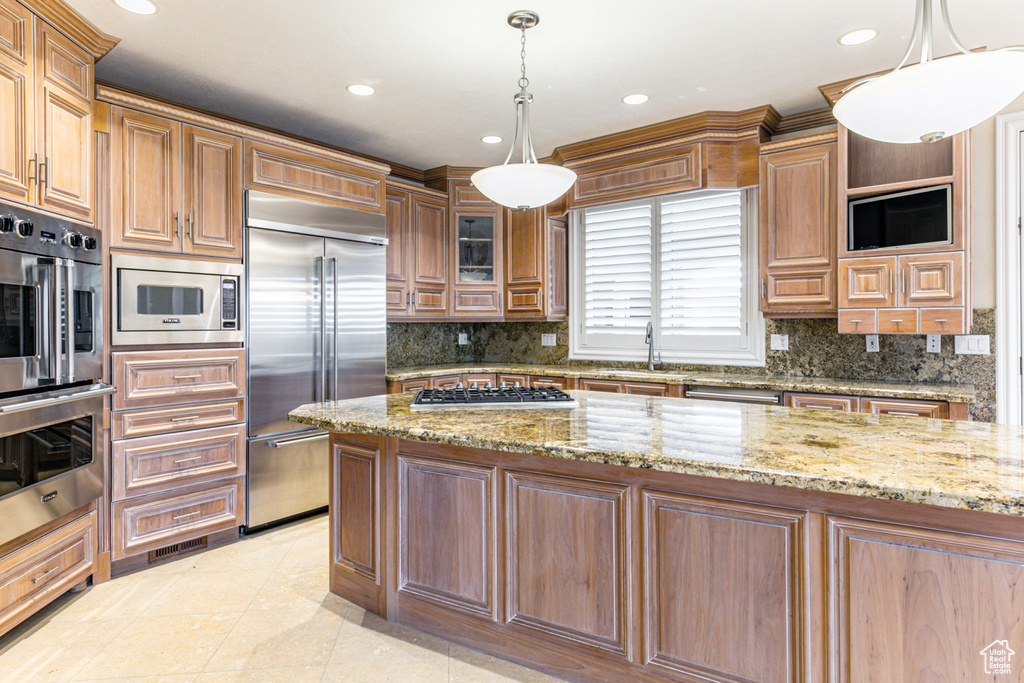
[
  {"x": 137, "y": 6},
  {"x": 360, "y": 89},
  {"x": 638, "y": 98},
  {"x": 861, "y": 35},
  {"x": 491, "y": 139}
]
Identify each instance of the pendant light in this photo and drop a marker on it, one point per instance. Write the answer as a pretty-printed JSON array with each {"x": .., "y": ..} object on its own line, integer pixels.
[
  {"x": 936, "y": 98},
  {"x": 527, "y": 184}
]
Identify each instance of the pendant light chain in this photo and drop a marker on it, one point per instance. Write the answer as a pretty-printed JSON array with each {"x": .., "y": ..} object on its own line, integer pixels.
[{"x": 523, "y": 80}]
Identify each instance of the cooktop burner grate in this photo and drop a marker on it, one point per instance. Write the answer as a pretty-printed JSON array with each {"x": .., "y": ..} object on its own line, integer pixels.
[{"x": 493, "y": 397}]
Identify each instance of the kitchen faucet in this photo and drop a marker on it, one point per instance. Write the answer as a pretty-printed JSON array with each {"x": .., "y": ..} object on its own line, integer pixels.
[{"x": 650, "y": 345}]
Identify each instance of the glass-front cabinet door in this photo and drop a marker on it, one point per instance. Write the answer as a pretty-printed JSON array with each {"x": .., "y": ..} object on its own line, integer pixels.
[{"x": 477, "y": 262}]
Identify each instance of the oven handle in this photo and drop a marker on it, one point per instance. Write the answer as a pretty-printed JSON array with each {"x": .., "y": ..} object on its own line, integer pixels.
[
  {"x": 95, "y": 390},
  {"x": 69, "y": 316},
  {"x": 53, "y": 319}
]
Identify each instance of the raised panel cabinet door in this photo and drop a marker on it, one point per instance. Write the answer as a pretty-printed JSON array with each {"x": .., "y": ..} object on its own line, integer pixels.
[
  {"x": 355, "y": 502},
  {"x": 477, "y": 263},
  {"x": 18, "y": 166},
  {"x": 428, "y": 226},
  {"x": 823, "y": 402},
  {"x": 446, "y": 523},
  {"x": 557, "y": 382},
  {"x": 524, "y": 247},
  {"x": 913, "y": 604},
  {"x": 932, "y": 279},
  {"x": 867, "y": 282},
  {"x": 610, "y": 386},
  {"x": 396, "y": 254},
  {"x": 146, "y": 165},
  {"x": 906, "y": 408},
  {"x": 213, "y": 193},
  {"x": 723, "y": 587},
  {"x": 557, "y": 284},
  {"x": 567, "y": 559},
  {"x": 64, "y": 78}
]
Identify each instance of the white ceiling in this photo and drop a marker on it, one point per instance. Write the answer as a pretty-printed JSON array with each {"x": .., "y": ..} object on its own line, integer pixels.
[{"x": 445, "y": 70}]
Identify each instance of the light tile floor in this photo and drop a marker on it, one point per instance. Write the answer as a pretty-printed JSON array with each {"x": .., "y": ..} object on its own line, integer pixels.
[{"x": 255, "y": 610}]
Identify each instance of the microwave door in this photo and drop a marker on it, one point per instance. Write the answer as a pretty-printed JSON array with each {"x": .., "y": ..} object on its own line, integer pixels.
[{"x": 26, "y": 356}]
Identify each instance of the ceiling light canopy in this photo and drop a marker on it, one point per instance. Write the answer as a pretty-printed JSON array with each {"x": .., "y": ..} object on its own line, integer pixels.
[
  {"x": 360, "y": 89},
  {"x": 527, "y": 184},
  {"x": 936, "y": 98},
  {"x": 137, "y": 6},
  {"x": 857, "y": 36},
  {"x": 637, "y": 98}
]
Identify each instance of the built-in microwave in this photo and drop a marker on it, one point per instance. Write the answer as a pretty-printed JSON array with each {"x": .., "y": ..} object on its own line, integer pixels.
[
  {"x": 160, "y": 300},
  {"x": 918, "y": 217}
]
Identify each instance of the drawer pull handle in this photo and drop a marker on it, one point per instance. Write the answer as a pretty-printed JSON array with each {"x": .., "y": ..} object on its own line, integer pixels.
[
  {"x": 940, "y": 320},
  {"x": 197, "y": 457},
  {"x": 812, "y": 405},
  {"x": 187, "y": 376},
  {"x": 45, "y": 574},
  {"x": 897, "y": 321},
  {"x": 190, "y": 514},
  {"x": 895, "y": 412},
  {"x": 855, "y": 322},
  {"x": 182, "y": 419}
]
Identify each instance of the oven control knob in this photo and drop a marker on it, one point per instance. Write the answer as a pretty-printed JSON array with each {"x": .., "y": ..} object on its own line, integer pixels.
[
  {"x": 23, "y": 227},
  {"x": 89, "y": 243},
  {"x": 73, "y": 239},
  {"x": 6, "y": 223}
]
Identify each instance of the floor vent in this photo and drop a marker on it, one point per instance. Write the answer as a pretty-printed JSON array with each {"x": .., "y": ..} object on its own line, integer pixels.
[{"x": 177, "y": 549}]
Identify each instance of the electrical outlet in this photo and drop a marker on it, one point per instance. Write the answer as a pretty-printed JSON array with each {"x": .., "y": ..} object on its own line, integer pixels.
[
  {"x": 780, "y": 342},
  {"x": 971, "y": 344},
  {"x": 463, "y": 338},
  {"x": 934, "y": 344},
  {"x": 872, "y": 342},
  {"x": 547, "y": 340}
]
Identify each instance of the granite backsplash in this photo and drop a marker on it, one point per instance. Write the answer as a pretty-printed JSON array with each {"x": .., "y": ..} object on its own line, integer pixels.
[{"x": 815, "y": 350}]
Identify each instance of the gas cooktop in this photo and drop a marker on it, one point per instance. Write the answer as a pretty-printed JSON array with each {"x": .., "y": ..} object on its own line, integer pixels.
[{"x": 502, "y": 396}]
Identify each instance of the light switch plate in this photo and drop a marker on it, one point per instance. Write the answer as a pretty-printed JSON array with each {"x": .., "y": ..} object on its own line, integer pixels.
[
  {"x": 547, "y": 340},
  {"x": 872, "y": 343},
  {"x": 780, "y": 342},
  {"x": 971, "y": 344},
  {"x": 463, "y": 338},
  {"x": 934, "y": 343}
]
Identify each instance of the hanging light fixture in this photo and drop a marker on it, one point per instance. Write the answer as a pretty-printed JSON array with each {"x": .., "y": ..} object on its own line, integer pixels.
[
  {"x": 936, "y": 98},
  {"x": 527, "y": 184}
]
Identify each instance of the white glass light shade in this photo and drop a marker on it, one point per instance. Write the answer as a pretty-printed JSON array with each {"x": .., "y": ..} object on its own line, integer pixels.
[
  {"x": 524, "y": 186},
  {"x": 943, "y": 96}
]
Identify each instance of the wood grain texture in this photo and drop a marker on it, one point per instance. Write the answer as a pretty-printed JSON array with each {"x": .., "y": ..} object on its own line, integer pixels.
[
  {"x": 723, "y": 588},
  {"x": 446, "y": 523},
  {"x": 822, "y": 402},
  {"x": 897, "y": 321},
  {"x": 867, "y": 282},
  {"x": 914, "y": 604},
  {"x": 149, "y": 378},
  {"x": 212, "y": 193},
  {"x": 567, "y": 542},
  {"x": 397, "y": 252},
  {"x": 645, "y": 174},
  {"x": 896, "y": 406},
  {"x": 17, "y": 101},
  {"x": 429, "y": 255},
  {"x": 160, "y": 420},
  {"x": 932, "y": 279}
]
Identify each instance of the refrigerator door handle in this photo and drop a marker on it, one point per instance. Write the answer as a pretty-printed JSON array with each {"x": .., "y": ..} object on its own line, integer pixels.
[
  {"x": 280, "y": 443},
  {"x": 334, "y": 334},
  {"x": 321, "y": 393}
]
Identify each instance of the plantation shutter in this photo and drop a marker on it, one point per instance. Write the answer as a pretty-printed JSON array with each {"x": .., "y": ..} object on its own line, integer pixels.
[
  {"x": 617, "y": 267},
  {"x": 701, "y": 265}
]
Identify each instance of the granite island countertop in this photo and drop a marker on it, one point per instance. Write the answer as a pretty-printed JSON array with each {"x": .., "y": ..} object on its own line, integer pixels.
[
  {"x": 958, "y": 393},
  {"x": 965, "y": 465}
]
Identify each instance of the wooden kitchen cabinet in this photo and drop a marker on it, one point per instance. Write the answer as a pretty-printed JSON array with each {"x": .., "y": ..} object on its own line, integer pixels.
[
  {"x": 563, "y": 383},
  {"x": 850, "y": 404},
  {"x": 180, "y": 186},
  {"x": 417, "y": 252},
  {"x": 46, "y": 144},
  {"x": 797, "y": 227},
  {"x": 536, "y": 265},
  {"x": 896, "y": 406},
  {"x": 617, "y": 387},
  {"x": 477, "y": 264}
]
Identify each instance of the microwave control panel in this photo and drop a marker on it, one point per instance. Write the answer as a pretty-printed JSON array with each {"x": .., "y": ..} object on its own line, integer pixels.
[{"x": 229, "y": 303}]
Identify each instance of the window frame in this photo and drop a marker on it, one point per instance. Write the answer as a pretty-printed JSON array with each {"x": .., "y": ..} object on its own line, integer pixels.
[{"x": 749, "y": 352}]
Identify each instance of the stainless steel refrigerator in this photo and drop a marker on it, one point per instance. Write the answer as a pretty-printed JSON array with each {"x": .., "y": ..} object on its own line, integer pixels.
[{"x": 315, "y": 331}]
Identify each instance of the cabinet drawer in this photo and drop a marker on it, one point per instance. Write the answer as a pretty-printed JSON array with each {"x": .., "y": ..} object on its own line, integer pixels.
[
  {"x": 161, "y": 420},
  {"x": 37, "y": 573},
  {"x": 645, "y": 388},
  {"x": 446, "y": 382},
  {"x": 823, "y": 402},
  {"x": 942, "y": 321},
  {"x": 560, "y": 382},
  {"x": 148, "y": 378},
  {"x": 523, "y": 380},
  {"x": 897, "y": 321},
  {"x": 157, "y": 463},
  {"x": 481, "y": 378},
  {"x": 601, "y": 385},
  {"x": 858, "y": 321},
  {"x": 895, "y": 406},
  {"x": 411, "y": 386},
  {"x": 150, "y": 522}
]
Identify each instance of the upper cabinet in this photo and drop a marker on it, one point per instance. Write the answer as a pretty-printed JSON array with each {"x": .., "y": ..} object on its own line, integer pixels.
[
  {"x": 797, "y": 227},
  {"x": 180, "y": 186},
  {"x": 897, "y": 276},
  {"x": 536, "y": 264},
  {"x": 477, "y": 250},
  {"x": 417, "y": 252},
  {"x": 46, "y": 146}
]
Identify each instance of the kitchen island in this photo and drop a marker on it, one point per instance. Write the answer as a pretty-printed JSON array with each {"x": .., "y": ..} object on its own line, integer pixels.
[{"x": 671, "y": 539}]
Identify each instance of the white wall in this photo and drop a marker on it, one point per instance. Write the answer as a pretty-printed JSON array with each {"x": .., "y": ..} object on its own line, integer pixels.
[{"x": 983, "y": 208}]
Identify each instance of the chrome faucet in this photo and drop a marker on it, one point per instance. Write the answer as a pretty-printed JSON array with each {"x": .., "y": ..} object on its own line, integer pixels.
[{"x": 650, "y": 345}]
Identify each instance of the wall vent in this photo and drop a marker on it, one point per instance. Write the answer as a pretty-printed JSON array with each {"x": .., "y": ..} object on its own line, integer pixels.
[{"x": 176, "y": 549}]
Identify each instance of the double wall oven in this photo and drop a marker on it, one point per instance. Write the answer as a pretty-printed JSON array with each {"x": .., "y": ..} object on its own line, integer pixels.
[{"x": 51, "y": 361}]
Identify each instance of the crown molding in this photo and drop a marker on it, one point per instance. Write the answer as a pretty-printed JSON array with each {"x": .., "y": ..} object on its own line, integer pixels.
[
  {"x": 73, "y": 25},
  {"x": 804, "y": 120},
  {"x": 395, "y": 184},
  {"x": 801, "y": 141}
]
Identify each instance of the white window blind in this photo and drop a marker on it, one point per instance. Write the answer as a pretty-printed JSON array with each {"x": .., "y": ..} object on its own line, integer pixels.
[
  {"x": 701, "y": 265},
  {"x": 617, "y": 267}
]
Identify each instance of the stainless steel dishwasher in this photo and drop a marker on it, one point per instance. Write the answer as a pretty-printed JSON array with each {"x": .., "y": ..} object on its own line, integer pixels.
[{"x": 735, "y": 394}]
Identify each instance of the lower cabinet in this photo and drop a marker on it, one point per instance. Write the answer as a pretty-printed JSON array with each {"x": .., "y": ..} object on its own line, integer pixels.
[
  {"x": 878, "y": 406},
  {"x": 44, "y": 569},
  {"x": 642, "y": 388}
]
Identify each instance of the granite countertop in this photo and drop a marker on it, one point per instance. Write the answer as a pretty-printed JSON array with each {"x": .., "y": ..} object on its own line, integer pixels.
[
  {"x": 824, "y": 385},
  {"x": 967, "y": 465}
]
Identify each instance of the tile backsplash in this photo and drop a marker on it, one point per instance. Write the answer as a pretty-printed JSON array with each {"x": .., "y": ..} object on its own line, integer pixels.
[{"x": 815, "y": 350}]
